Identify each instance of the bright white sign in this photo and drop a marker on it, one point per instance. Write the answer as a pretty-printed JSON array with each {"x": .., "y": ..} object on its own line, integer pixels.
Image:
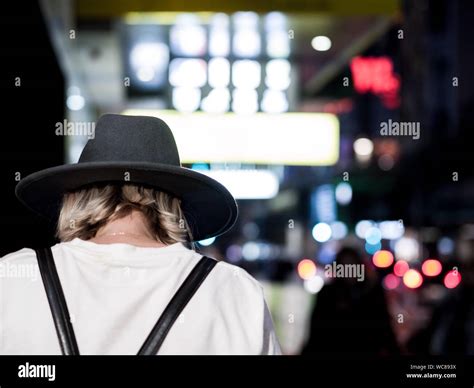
[{"x": 300, "y": 139}]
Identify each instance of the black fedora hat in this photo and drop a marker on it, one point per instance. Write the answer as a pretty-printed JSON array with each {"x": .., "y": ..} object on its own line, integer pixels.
[{"x": 138, "y": 150}]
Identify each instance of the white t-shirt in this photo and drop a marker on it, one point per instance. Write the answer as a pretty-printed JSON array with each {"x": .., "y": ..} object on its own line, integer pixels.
[{"x": 116, "y": 292}]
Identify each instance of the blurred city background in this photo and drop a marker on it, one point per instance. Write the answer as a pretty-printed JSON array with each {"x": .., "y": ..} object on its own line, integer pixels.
[{"x": 342, "y": 128}]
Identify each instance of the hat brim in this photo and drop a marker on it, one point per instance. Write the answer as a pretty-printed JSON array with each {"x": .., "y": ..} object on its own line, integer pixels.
[{"x": 209, "y": 208}]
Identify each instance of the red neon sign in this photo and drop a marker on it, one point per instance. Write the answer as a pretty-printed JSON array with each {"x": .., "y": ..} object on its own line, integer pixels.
[{"x": 376, "y": 75}]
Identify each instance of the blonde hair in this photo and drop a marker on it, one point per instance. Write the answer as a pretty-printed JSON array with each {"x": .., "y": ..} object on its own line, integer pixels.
[{"x": 85, "y": 211}]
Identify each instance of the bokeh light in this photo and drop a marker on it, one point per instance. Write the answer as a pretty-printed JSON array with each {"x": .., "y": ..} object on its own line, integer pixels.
[
  {"x": 391, "y": 230},
  {"x": 386, "y": 162},
  {"x": 363, "y": 147},
  {"x": 322, "y": 232},
  {"x": 400, "y": 267},
  {"x": 328, "y": 251},
  {"x": 306, "y": 269},
  {"x": 338, "y": 230},
  {"x": 407, "y": 248},
  {"x": 372, "y": 248},
  {"x": 445, "y": 246},
  {"x": 250, "y": 251},
  {"x": 452, "y": 279},
  {"x": 234, "y": 253},
  {"x": 75, "y": 102},
  {"x": 431, "y": 267},
  {"x": 314, "y": 284},
  {"x": 373, "y": 235},
  {"x": 412, "y": 279},
  {"x": 390, "y": 281},
  {"x": 321, "y": 43},
  {"x": 362, "y": 227},
  {"x": 343, "y": 193},
  {"x": 382, "y": 259}
]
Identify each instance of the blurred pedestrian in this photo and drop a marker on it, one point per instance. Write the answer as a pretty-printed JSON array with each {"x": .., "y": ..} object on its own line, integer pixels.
[{"x": 350, "y": 316}]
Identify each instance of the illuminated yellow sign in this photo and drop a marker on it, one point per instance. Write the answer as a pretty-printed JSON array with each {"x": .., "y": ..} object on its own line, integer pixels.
[{"x": 299, "y": 139}]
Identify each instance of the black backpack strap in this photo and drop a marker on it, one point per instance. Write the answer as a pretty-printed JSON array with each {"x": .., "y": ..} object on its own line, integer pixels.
[
  {"x": 174, "y": 308},
  {"x": 57, "y": 302},
  {"x": 152, "y": 344}
]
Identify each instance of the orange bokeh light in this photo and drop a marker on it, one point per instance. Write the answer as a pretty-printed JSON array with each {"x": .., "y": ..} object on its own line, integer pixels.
[
  {"x": 306, "y": 269},
  {"x": 382, "y": 259},
  {"x": 431, "y": 267},
  {"x": 400, "y": 268},
  {"x": 412, "y": 279},
  {"x": 452, "y": 279}
]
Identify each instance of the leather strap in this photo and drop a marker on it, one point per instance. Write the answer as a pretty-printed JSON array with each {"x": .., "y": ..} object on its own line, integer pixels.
[
  {"x": 57, "y": 302},
  {"x": 185, "y": 292},
  {"x": 152, "y": 344}
]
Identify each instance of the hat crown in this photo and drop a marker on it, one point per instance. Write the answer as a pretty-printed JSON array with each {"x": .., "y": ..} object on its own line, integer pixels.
[{"x": 131, "y": 138}]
